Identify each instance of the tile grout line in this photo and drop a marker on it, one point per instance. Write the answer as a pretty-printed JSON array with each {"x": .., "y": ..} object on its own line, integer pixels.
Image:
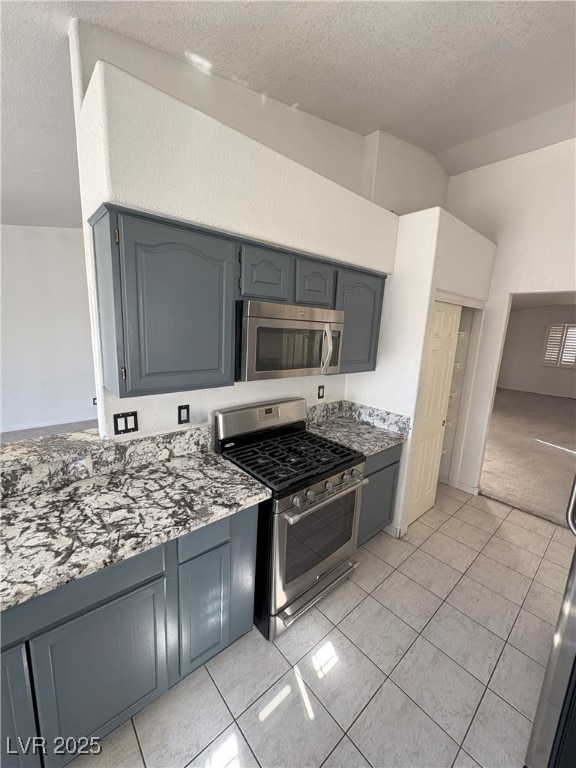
[
  {"x": 138, "y": 742},
  {"x": 487, "y": 686},
  {"x": 234, "y": 719}
]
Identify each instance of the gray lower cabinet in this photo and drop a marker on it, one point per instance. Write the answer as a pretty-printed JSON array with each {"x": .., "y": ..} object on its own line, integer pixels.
[
  {"x": 360, "y": 296},
  {"x": 379, "y": 495},
  {"x": 204, "y": 587},
  {"x": 18, "y": 724},
  {"x": 314, "y": 283},
  {"x": 166, "y": 305},
  {"x": 94, "y": 672},
  {"x": 103, "y": 647},
  {"x": 266, "y": 274}
]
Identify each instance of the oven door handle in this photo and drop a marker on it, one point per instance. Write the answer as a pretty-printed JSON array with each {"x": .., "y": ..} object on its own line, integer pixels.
[
  {"x": 327, "y": 339},
  {"x": 295, "y": 517}
]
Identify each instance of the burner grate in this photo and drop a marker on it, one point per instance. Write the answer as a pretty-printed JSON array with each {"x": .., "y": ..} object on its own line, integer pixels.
[{"x": 280, "y": 462}]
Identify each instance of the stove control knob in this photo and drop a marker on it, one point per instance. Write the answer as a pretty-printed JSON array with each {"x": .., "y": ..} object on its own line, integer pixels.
[
  {"x": 346, "y": 477},
  {"x": 329, "y": 485},
  {"x": 310, "y": 494},
  {"x": 297, "y": 501},
  {"x": 357, "y": 475}
]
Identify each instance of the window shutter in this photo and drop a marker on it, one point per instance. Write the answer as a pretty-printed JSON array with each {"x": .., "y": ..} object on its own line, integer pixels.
[
  {"x": 553, "y": 348},
  {"x": 568, "y": 356}
]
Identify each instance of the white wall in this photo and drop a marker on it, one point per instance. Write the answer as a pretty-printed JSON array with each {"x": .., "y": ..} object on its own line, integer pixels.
[
  {"x": 401, "y": 176},
  {"x": 47, "y": 369},
  {"x": 146, "y": 150},
  {"x": 393, "y": 173},
  {"x": 328, "y": 149},
  {"x": 435, "y": 253},
  {"x": 464, "y": 261},
  {"x": 143, "y": 149},
  {"x": 393, "y": 386},
  {"x": 521, "y": 367},
  {"x": 526, "y": 204}
]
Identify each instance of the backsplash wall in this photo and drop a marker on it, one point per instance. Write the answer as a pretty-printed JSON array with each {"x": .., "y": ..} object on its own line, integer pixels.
[{"x": 159, "y": 413}]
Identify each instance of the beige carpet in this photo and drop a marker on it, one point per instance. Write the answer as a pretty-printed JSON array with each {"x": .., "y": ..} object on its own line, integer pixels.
[{"x": 530, "y": 456}]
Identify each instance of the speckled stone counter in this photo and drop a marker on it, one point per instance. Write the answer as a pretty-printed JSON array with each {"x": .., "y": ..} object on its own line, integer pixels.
[
  {"x": 74, "y": 504},
  {"x": 358, "y": 435},
  {"x": 55, "y": 461},
  {"x": 55, "y": 536}
]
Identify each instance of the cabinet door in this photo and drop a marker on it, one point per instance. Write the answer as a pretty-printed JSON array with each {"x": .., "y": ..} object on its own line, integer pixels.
[
  {"x": 96, "y": 671},
  {"x": 204, "y": 585},
  {"x": 377, "y": 502},
  {"x": 178, "y": 307},
  {"x": 18, "y": 725},
  {"x": 266, "y": 274},
  {"x": 314, "y": 283},
  {"x": 360, "y": 296}
]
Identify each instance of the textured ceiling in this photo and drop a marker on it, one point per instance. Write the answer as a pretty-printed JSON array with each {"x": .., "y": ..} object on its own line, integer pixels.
[{"x": 438, "y": 74}]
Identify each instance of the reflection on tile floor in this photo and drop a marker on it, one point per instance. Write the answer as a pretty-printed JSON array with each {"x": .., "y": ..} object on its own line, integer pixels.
[{"x": 432, "y": 656}]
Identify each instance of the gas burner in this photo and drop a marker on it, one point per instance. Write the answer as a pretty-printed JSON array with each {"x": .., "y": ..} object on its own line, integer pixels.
[{"x": 281, "y": 462}]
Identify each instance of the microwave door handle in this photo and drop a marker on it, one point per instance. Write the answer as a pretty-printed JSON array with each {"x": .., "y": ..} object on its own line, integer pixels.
[{"x": 327, "y": 340}]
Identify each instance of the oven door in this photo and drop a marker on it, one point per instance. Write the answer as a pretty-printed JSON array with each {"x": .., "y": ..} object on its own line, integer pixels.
[
  {"x": 310, "y": 544},
  {"x": 278, "y": 348}
]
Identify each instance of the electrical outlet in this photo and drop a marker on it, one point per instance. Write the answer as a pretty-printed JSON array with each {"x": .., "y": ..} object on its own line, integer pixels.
[
  {"x": 183, "y": 414},
  {"x": 125, "y": 422},
  {"x": 321, "y": 392}
]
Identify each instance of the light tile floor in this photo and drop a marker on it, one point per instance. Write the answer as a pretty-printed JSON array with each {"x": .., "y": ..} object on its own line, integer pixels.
[{"x": 433, "y": 655}]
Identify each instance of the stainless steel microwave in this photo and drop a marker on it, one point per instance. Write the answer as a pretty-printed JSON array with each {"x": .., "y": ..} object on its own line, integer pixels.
[{"x": 281, "y": 340}]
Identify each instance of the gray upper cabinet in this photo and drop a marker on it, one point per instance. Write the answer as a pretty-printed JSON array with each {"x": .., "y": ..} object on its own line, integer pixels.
[
  {"x": 360, "y": 296},
  {"x": 18, "y": 724},
  {"x": 266, "y": 274},
  {"x": 314, "y": 283},
  {"x": 97, "y": 670},
  {"x": 166, "y": 306}
]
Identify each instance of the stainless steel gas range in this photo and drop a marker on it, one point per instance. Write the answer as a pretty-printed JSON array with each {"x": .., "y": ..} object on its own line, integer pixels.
[{"x": 307, "y": 532}]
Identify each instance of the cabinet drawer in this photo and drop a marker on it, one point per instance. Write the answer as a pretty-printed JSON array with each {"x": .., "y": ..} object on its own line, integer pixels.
[
  {"x": 314, "y": 283},
  {"x": 266, "y": 274},
  {"x": 203, "y": 539},
  {"x": 96, "y": 671},
  {"x": 383, "y": 459}
]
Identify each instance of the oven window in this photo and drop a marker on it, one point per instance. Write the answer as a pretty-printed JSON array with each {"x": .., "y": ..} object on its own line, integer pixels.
[
  {"x": 281, "y": 349},
  {"x": 318, "y": 535}
]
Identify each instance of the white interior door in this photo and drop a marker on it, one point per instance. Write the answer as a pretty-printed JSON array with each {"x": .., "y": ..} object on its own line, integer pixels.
[{"x": 430, "y": 420}]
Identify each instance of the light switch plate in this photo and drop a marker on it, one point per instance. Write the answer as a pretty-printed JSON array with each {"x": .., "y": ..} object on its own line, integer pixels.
[
  {"x": 125, "y": 422},
  {"x": 183, "y": 414},
  {"x": 321, "y": 392}
]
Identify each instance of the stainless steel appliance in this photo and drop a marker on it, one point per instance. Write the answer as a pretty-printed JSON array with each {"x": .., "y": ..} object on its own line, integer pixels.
[
  {"x": 281, "y": 340},
  {"x": 307, "y": 532},
  {"x": 553, "y": 739}
]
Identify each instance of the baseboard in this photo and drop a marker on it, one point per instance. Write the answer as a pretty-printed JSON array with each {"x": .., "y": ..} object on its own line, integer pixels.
[
  {"x": 395, "y": 531},
  {"x": 473, "y": 489}
]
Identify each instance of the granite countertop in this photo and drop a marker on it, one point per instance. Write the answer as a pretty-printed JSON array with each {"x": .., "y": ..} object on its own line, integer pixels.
[
  {"x": 56, "y": 536},
  {"x": 359, "y": 435},
  {"x": 74, "y": 504}
]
